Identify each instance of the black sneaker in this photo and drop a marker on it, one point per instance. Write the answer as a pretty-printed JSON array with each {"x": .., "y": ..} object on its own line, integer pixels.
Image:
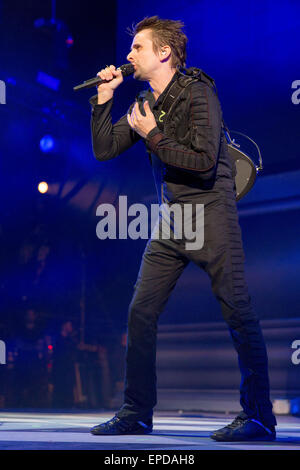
[
  {"x": 244, "y": 430},
  {"x": 236, "y": 423},
  {"x": 122, "y": 426}
]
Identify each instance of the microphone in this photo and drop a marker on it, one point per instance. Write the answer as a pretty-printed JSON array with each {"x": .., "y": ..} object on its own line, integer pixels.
[{"x": 126, "y": 69}]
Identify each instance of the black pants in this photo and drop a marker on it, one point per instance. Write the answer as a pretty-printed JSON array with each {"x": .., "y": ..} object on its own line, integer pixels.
[{"x": 222, "y": 258}]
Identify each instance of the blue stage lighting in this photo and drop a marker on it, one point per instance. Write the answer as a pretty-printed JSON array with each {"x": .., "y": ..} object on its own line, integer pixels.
[
  {"x": 47, "y": 143},
  {"x": 48, "y": 81},
  {"x": 11, "y": 81}
]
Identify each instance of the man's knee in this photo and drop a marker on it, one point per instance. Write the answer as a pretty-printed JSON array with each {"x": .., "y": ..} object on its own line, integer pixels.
[
  {"x": 141, "y": 317},
  {"x": 239, "y": 314}
]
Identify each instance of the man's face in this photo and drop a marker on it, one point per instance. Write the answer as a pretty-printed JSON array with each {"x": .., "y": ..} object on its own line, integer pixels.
[{"x": 143, "y": 57}]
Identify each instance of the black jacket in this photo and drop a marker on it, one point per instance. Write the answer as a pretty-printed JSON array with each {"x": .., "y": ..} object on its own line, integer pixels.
[{"x": 188, "y": 151}]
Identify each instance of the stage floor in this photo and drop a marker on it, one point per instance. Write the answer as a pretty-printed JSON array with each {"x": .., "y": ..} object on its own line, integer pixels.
[{"x": 70, "y": 431}]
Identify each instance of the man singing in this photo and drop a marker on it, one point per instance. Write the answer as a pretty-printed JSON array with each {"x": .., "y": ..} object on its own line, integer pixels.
[{"x": 191, "y": 165}]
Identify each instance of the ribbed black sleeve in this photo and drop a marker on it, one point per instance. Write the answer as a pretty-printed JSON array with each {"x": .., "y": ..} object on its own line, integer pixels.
[{"x": 109, "y": 140}]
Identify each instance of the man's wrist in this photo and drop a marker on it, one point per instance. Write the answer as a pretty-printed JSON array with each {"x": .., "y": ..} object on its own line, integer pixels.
[
  {"x": 104, "y": 98},
  {"x": 153, "y": 132},
  {"x": 154, "y": 137}
]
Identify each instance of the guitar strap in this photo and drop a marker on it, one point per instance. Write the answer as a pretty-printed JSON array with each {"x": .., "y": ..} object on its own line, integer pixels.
[{"x": 191, "y": 75}]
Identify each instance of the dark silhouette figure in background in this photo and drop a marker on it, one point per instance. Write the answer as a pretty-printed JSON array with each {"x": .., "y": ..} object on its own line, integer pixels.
[
  {"x": 30, "y": 364},
  {"x": 64, "y": 358}
]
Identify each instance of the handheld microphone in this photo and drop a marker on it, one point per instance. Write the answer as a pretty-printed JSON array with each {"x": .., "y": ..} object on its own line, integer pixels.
[{"x": 126, "y": 69}]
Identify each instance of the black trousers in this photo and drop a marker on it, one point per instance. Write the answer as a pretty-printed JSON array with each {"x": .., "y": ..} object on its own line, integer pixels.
[{"x": 222, "y": 258}]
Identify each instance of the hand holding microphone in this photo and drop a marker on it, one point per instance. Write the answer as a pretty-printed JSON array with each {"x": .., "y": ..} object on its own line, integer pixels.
[
  {"x": 112, "y": 78},
  {"x": 107, "y": 81}
]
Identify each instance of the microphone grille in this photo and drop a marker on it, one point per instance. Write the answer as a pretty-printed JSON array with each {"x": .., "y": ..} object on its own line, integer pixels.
[{"x": 127, "y": 69}]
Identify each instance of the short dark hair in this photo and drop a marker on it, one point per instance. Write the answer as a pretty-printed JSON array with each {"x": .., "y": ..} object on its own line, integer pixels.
[{"x": 165, "y": 32}]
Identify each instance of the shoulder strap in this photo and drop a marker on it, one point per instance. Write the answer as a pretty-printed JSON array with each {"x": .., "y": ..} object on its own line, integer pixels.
[{"x": 187, "y": 76}]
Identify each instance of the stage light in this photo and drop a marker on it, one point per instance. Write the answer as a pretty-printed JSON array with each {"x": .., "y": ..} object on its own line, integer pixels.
[
  {"x": 48, "y": 80},
  {"x": 11, "y": 81},
  {"x": 47, "y": 143},
  {"x": 69, "y": 41},
  {"x": 43, "y": 187}
]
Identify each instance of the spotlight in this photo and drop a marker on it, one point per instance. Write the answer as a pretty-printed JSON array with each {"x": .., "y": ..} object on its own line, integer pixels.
[
  {"x": 47, "y": 143},
  {"x": 43, "y": 187},
  {"x": 69, "y": 41}
]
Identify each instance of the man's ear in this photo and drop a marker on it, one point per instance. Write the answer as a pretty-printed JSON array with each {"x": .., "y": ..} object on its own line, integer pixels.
[{"x": 165, "y": 52}]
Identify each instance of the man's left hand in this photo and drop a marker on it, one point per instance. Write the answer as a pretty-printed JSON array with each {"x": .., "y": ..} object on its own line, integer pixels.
[{"x": 141, "y": 124}]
